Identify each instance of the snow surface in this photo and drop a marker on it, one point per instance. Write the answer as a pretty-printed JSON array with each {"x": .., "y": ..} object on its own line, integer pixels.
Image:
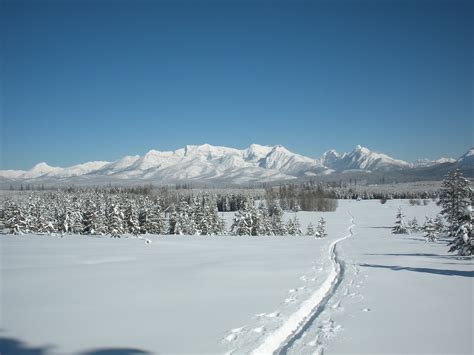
[{"x": 373, "y": 292}]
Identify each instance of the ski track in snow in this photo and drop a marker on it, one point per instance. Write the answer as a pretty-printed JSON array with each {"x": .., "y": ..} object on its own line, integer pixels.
[{"x": 282, "y": 339}]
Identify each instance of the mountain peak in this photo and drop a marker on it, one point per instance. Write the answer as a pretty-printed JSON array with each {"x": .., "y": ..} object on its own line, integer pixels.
[
  {"x": 467, "y": 158},
  {"x": 41, "y": 165},
  {"x": 280, "y": 148},
  {"x": 362, "y": 150}
]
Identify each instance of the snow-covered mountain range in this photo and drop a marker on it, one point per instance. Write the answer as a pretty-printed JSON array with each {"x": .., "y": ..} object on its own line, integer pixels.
[{"x": 212, "y": 164}]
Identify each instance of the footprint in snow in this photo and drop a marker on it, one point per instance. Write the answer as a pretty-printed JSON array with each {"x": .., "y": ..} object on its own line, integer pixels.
[
  {"x": 234, "y": 333},
  {"x": 366, "y": 310},
  {"x": 329, "y": 329},
  {"x": 258, "y": 330},
  {"x": 290, "y": 299},
  {"x": 314, "y": 342},
  {"x": 230, "y": 337},
  {"x": 293, "y": 290},
  {"x": 273, "y": 315},
  {"x": 304, "y": 278}
]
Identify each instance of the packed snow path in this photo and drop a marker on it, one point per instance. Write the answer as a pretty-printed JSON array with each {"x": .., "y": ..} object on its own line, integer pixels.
[{"x": 282, "y": 339}]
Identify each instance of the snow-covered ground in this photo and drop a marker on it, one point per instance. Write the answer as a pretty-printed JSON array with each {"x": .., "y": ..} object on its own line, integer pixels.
[{"x": 371, "y": 292}]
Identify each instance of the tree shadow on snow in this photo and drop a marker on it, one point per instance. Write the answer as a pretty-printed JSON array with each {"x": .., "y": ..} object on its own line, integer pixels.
[
  {"x": 116, "y": 351},
  {"x": 429, "y": 255},
  {"x": 423, "y": 269},
  {"x": 13, "y": 346}
]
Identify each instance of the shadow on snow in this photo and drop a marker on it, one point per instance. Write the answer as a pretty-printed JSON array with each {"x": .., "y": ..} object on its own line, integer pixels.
[
  {"x": 13, "y": 346},
  {"x": 422, "y": 269},
  {"x": 116, "y": 351},
  {"x": 430, "y": 255}
]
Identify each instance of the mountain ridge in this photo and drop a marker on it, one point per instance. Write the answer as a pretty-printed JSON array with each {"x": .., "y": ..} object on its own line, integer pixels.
[{"x": 219, "y": 164}]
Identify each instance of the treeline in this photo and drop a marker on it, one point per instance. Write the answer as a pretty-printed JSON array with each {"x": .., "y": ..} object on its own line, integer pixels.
[
  {"x": 118, "y": 212},
  {"x": 100, "y": 213},
  {"x": 303, "y": 197}
]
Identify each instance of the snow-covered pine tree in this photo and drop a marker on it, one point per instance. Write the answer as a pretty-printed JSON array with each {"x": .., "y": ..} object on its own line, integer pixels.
[
  {"x": 132, "y": 224},
  {"x": 463, "y": 242},
  {"x": 399, "y": 227},
  {"x": 310, "y": 230},
  {"x": 429, "y": 229},
  {"x": 115, "y": 220},
  {"x": 2, "y": 217},
  {"x": 151, "y": 219},
  {"x": 202, "y": 216},
  {"x": 93, "y": 218},
  {"x": 212, "y": 215},
  {"x": 439, "y": 224},
  {"x": 321, "y": 228},
  {"x": 293, "y": 226},
  {"x": 264, "y": 224},
  {"x": 183, "y": 221},
  {"x": 15, "y": 219},
  {"x": 276, "y": 219},
  {"x": 30, "y": 216},
  {"x": 413, "y": 225},
  {"x": 65, "y": 220},
  {"x": 172, "y": 219},
  {"x": 456, "y": 199},
  {"x": 75, "y": 216},
  {"x": 220, "y": 227},
  {"x": 244, "y": 218}
]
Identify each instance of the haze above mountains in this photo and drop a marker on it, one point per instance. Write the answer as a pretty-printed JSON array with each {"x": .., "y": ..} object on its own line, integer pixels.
[{"x": 214, "y": 165}]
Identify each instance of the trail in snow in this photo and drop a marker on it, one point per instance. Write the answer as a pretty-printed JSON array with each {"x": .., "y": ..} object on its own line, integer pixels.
[{"x": 284, "y": 337}]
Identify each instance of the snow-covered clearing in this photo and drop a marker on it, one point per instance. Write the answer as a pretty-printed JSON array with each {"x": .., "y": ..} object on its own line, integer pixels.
[{"x": 372, "y": 292}]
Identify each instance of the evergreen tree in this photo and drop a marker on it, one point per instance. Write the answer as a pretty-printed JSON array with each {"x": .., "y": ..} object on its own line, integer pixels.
[
  {"x": 455, "y": 199},
  {"x": 413, "y": 225},
  {"x": 244, "y": 219},
  {"x": 399, "y": 227},
  {"x": 264, "y": 224},
  {"x": 321, "y": 228},
  {"x": 15, "y": 219},
  {"x": 310, "y": 230},
  {"x": 115, "y": 218},
  {"x": 132, "y": 224},
  {"x": 173, "y": 217},
  {"x": 293, "y": 226},
  {"x": 439, "y": 224},
  {"x": 463, "y": 235},
  {"x": 429, "y": 228},
  {"x": 183, "y": 220},
  {"x": 276, "y": 219},
  {"x": 151, "y": 220},
  {"x": 93, "y": 218}
]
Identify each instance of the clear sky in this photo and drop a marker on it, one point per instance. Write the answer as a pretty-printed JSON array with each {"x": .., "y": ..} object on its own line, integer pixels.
[{"x": 97, "y": 80}]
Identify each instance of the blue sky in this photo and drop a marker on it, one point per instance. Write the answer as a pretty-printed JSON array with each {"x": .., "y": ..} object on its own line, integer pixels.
[{"x": 96, "y": 80}]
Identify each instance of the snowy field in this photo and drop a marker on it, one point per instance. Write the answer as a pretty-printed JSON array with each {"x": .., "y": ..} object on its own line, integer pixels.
[{"x": 360, "y": 290}]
